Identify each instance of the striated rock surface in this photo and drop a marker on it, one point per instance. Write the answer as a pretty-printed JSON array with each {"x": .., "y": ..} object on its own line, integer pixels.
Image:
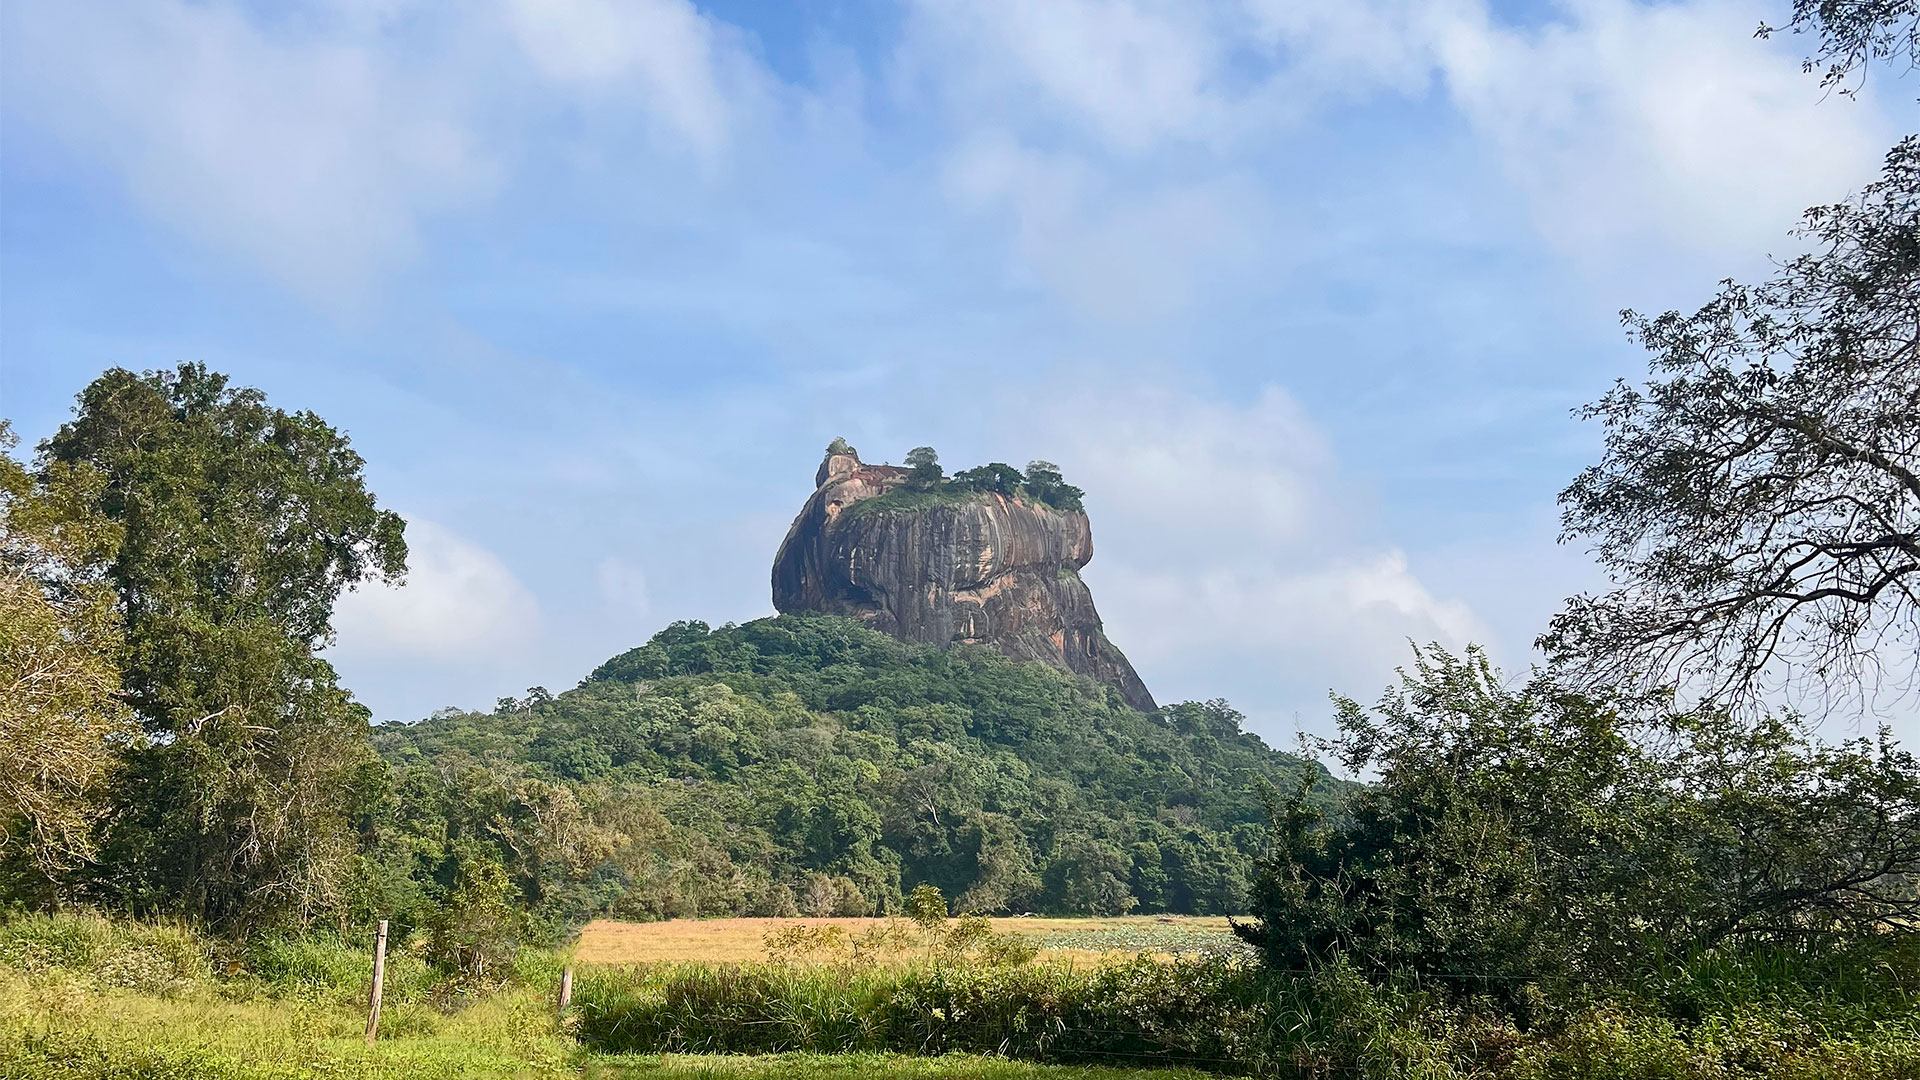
[{"x": 939, "y": 568}]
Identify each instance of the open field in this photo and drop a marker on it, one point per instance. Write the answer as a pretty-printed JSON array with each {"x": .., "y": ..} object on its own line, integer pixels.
[{"x": 740, "y": 941}]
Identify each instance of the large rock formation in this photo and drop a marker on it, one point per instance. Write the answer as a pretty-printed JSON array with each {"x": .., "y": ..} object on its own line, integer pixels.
[{"x": 944, "y": 567}]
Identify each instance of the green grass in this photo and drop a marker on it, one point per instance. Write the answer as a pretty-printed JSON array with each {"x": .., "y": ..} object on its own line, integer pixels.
[
  {"x": 84, "y": 998},
  {"x": 87, "y": 998},
  {"x": 904, "y": 498},
  {"x": 59, "y": 1029},
  {"x": 51, "y": 1030}
]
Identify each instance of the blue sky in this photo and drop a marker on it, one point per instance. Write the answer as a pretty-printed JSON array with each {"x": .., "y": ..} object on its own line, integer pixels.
[{"x": 1301, "y": 292}]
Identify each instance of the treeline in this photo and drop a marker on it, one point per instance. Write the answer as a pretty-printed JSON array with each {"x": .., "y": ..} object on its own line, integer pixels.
[
  {"x": 807, "y": 765},
  {"x": 177, "y": 748}
]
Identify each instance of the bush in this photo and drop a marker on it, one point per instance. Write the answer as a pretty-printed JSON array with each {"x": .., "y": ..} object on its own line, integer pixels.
[
  {"x": 321, "y": 965},
  {"x": 1236, "y": 1017},
  {"x": 477, "y": 931},
  {"x": 172, "y": 960},
  {"x": 1531, "y": 835},
  {"x": 1183, "y": 1012}
]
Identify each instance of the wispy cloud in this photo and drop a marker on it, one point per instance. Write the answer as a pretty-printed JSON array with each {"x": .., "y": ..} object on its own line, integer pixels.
[
  {"x": 313, "y": 156},
  {"x": 660, "y": 56}
]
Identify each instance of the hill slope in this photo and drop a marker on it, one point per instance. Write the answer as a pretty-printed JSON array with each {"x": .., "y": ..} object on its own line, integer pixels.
[{"x": 808, "y": 763}]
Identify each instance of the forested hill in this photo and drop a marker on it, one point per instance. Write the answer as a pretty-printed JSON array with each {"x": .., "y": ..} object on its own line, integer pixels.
[{"x": 807, "y": 763}]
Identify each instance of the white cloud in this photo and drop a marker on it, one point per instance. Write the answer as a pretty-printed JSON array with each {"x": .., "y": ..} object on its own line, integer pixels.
[
  {"x": 1344, "y": 621},
  {"x": 663, "y": 49},
  {"x": 317, "y": 141},
  {"x": 1626, "y": 126},
  {"x": 460, "y": 603},
  {"x": 1633, "y": 125},
  {"x": 1229, "y": 559},
  {"x": 1134, "y": 72},
  {"x": 1168, "y": 464},
  {"x": 314, "y": 158}
]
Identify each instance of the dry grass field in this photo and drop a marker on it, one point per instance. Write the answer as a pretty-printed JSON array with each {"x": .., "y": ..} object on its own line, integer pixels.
[{"x": 744, "y": 940}]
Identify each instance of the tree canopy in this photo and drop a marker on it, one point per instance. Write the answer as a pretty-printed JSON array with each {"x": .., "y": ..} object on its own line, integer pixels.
[
  {"x": 238, "y": 525},
  {"x": 1854, "y": 33},
  {"x": 1042, "y": 483},
  {"x": 1522, "y": 835},
  {"x": 806, "y": 763},
  {"x": 62, "y": 720},
  {"x": 924, "y": 465},
  {"x": 1759, "y": 500}
]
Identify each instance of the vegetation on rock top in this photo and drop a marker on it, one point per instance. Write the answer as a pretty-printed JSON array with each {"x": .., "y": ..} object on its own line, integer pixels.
[{"x": 928, "y": 485}]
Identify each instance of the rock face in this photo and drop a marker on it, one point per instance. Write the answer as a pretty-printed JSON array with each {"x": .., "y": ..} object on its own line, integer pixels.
[{"x": 976, "y": 568}]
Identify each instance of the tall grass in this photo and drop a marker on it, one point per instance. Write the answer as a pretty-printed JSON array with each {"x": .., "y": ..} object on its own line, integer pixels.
[
  {"x": 158, "y": 958},
  {"x": 1231, "y": 1017},
  {"x": 83, "y": 997}
]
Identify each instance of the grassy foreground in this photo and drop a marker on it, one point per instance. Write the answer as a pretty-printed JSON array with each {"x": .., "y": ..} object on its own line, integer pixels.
[
  {"x": 82, "y": 998},
  {"x": 59, "y": 1029}
]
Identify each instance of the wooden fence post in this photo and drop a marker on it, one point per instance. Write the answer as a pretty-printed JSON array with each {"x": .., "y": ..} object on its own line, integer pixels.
[
  {"x": 379, "y": 981},
  {"x": 566, "y": 989}
]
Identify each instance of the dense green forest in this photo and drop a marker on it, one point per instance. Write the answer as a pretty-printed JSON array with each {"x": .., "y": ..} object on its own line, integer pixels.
[{"x": 807, "y": 764}]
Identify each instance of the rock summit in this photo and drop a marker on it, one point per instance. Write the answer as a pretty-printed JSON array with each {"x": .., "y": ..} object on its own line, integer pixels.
[{"x": 945, "y": 566}]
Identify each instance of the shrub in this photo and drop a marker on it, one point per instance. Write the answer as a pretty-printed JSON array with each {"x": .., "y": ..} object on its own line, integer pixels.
[
  {"x": 1238, "y": 1017},
  {"x": 1194, "y": 1012},
  {"x": 478, "y": 930},
  {"x": 926, "y": 906},
  {"x": 1532, "y": 835},
  {"x": 320, "y": 965}
]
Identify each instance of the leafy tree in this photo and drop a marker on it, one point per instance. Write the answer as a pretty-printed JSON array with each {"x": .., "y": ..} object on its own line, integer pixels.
[
  {"x": 1529, "y": 834},
  {"x": 1855, "y": 33},
  {"x": 924, "y": 466},
  {"x": 241, "y": 523},
  {"x": 1090, "y": 875},
  {"x": 1759, "y": 500},
  {"x": 1046, "y": 484},
  {"x": 927, "y": 907},
  {"x": 61, "y": 717}
]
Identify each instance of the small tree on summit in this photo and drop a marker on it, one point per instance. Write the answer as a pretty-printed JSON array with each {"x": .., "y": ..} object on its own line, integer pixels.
[
  {"x": 1047, "y": 485},
  {"x": 925, "y": 464}
]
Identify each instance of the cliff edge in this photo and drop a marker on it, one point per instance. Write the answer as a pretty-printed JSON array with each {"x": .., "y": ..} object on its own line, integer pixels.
[{"x": 941, "y": 566}]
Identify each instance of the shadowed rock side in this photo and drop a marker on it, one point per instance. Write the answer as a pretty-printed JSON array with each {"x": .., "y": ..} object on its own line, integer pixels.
[{"x": 975, "y": 568}]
